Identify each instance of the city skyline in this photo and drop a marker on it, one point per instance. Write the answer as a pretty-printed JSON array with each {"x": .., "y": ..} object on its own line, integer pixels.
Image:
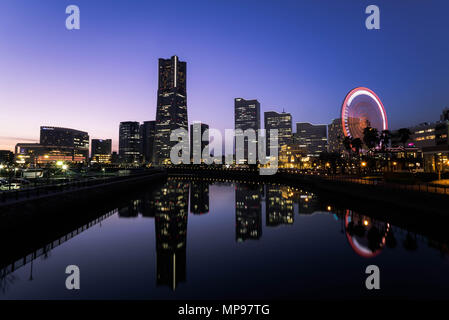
[{"x": 85, "y": 78}]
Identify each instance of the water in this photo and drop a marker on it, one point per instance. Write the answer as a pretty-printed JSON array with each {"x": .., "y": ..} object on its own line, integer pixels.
[{"x": 195, "y": 240}]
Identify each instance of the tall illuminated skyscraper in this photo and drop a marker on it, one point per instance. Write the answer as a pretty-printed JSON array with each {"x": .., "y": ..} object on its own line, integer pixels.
[
  {"x": 282, "y": 122},
  {"x": 247, "y": 116},
  {"x": 129, "y": 142},
  {"x": 171, "y": 112},
  {"x": 147, "y": 135}
]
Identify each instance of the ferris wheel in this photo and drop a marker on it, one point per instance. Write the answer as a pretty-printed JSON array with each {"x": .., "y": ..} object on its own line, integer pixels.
[{"x": 362, "y": 108}]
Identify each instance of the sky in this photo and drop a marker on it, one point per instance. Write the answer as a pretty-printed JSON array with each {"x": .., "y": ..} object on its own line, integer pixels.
[{"x": 300, "y": 56}]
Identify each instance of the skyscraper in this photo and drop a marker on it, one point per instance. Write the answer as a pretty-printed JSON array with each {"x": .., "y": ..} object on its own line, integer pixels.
[
  {"x": 282, "y": 122},
  {"x": 335, "y": 136},
  {"x": 148, "y": 134},
  {"x": 247, "y": 116},
  {"x": 313, "y": 137},
  {"x": 171, "y": 112},
  {"x": 129, "y": 142},
  {"x": 197, "y": 145}
]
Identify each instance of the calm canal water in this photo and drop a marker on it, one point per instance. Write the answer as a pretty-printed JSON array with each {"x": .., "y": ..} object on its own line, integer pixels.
[{"x": 191, "y": 239}]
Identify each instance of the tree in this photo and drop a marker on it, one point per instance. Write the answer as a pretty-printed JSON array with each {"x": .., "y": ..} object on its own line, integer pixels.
[
  {"x": 371, "y": 137},
  {"x": 347, "y": 143},
  {"x": 357, "y": 145},
  {"x": 385, "y": 138},
  {"x": 404, "y": 135}
]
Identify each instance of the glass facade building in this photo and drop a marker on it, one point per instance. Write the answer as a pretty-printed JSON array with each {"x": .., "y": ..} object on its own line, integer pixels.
[
  {"x": 247, "y": 116},
  {"x": 65, "y": 137},
  {"x": 313, "y": 137},
  {"x": 335, "y": 136},
  {"x": 282, "y": 122},
  {"x": 171, "y": 112},
  {"x": 197, "y": 145},
  {"x": 129, "y": 142},
  {"x": 148, "y": 135}
]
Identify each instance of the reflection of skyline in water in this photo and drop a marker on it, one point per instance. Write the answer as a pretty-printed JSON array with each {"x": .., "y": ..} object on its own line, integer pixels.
[
  {"x": 171, "y": 203},
  {"x": 248, "y": 212},
  {"x": 169, "y": 206}
]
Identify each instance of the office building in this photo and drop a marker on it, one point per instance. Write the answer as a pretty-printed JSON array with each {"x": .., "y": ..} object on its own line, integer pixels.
[
  {"x": 171, "y": 113},
  {"x": 38, "y": 154},
  {"x": 6, "y": 157},
  {"x": 313, "y": 137},
  {"x": 283, "y": 123},
  {"x": 148, "y": 135},
  {"x": 65, "y": 137},
  {"x": 197, "y": 145},
  {"x": 129, "y": 142},
  {"x": 101, "y": 150},
  {"x": 335, "y": 136},
  {"x": 247, "y": 116}
]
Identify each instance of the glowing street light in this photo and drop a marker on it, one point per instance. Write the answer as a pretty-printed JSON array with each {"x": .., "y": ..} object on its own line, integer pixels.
[
  {"x": 65, "y": 167},
  {"x": 59, "y": 163},
  {"x": 363, "y": 164}
]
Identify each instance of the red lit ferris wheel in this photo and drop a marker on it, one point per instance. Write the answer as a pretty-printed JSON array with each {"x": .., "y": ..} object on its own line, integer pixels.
[{"x": 362, "y": 108}]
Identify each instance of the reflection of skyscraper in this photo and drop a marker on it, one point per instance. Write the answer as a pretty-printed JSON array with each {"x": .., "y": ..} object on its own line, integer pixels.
[
  {"x": 171, "y": 111},
  {"x": 131, "y": 210},
  {"x": 248, "y": 212},
  {"x": 279, "y": 206},
  {"x": 308, "y": 203},
  {"x": 148, "y": 206},
  {"x": 199, "y": 197},
  {"x": 171, "y": 203}
]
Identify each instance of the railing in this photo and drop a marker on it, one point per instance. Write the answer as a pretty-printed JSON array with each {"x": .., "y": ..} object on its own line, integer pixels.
[
  {"x": 420, "y": 187},
  {"x": 27, "y": 258},
  {"x": 54, "y": 187}
]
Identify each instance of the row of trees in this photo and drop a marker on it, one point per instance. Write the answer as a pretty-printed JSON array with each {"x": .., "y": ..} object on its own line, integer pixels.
[{"x": 373, "y": 139}]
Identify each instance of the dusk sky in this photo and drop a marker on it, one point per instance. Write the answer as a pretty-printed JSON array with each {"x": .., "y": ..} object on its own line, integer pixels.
[{"x": 300, "y": 56}]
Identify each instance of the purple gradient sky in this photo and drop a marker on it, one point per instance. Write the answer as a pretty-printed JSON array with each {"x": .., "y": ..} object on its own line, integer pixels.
[{"x": 301, "y": 56}]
